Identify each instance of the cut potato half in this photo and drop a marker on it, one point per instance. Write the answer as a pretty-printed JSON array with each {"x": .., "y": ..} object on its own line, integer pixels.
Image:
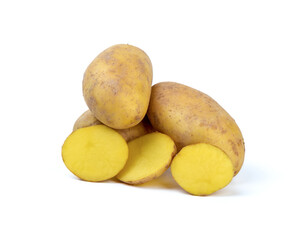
[
  {"x": 202, "y": 169},
  {"x": 95, "y": 153},
  {"x": 149, "y": 157}
]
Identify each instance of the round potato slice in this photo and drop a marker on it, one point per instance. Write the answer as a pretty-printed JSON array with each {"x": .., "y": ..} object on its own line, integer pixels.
[
  {"x": 149, "y": 157},
  {"x": 202, "y": 169},
  {"x": 95, "y": 153}
]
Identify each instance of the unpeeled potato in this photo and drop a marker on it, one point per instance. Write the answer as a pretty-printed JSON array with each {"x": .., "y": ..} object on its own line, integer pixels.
[
  {"x": 117, "y": 86},
  {"x": 88, "y": 119},
  {"x": 189, "y": 116}
]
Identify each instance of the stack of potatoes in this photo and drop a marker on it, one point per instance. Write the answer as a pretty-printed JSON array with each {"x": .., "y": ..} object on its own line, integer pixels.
[{"x": 135, "y": 131}]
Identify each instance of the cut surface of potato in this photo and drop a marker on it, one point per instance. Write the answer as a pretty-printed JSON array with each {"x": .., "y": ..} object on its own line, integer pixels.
[
  {"x": 149, "y": 157},
  {"x": 95, "y": 153},
  {"x": 202, "y": 169}
]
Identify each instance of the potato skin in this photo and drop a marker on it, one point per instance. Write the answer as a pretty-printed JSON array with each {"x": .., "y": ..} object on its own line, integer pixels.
[
  {"x": 142, "y": 128},
  {"x": 117, "y": 86},
  {"x": 189, "y": 116},
  {"x": 87, "y": 119}
]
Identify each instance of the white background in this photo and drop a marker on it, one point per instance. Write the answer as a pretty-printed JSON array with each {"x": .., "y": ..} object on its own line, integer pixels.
[{"x": 247, "y": 55}]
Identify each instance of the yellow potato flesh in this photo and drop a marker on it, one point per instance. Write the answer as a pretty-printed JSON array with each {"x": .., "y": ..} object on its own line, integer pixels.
[
  {"x": 149, "y": 157},
  {"x": 95, "y": 153},
  {"x": 202, "y": 169}
]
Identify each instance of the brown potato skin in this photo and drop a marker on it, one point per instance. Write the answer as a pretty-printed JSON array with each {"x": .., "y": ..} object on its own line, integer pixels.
[
  {"x": 117, "y": 86},
  {"x": 189, "y": 116},
  {"x": 88, "y": 119}
]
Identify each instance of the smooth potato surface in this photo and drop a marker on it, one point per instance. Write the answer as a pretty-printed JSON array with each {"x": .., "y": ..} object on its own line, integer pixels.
[
  {"x": 149, "y": 157},
  {"x": 95, "y": 153},
  {"x": 202, "y": 169},
  {"x": 189, "y": 116},
  {"x": 117, "y": 86}
]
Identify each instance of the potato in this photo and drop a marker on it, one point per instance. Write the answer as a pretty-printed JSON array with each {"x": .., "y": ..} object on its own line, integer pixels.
[
  {"x": 88, "y": 119},
  {"x": 189, "y": 116},
  {"x": 117, "y": 86},
  {"x": 202, "y": 169},
  {"x": 141, "y": 129},
  {"x": 149, "y": 157},
  {"x": 95, "y": 153}
]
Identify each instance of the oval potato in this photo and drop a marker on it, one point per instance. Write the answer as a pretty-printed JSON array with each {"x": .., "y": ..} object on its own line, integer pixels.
[
  {"x": 117, "y": 86},
  {"x": 189, "y": 116}
]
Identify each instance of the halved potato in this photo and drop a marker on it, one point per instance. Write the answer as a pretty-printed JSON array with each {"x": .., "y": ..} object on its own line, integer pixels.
[
  {"x": 95, "y": 153},
  {"x": 202, "y": 169},
  {"x": 149, "y": 157}
]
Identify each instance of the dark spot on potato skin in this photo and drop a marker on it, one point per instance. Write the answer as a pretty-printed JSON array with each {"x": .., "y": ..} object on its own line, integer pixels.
[
  {"x": 234, "y": 147},
  {"x": 240, "y": 142},
  {"x": 222, "y": 130},
  {"x": 141, "y": 66},
  {"x": 108, "y": 56},
  {"x": 138, "y": 118},
  {"x": 210, "y": 125}
]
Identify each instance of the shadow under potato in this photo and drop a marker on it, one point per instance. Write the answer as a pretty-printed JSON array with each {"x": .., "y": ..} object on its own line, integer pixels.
[{"x": 165, "y": 181}]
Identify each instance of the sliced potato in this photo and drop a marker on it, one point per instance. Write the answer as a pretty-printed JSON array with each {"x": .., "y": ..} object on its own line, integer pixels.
[
  {"x": 149, "y": 157},
  {"x": 95, "y": 153},
  {"x": 202, "y": 169}
]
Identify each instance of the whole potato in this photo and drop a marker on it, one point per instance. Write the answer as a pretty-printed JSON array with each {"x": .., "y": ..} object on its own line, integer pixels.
[
  {"x": 87, "y": 119},
  {"x": 189, "y": 116},
  {"x": 117, "y": 86}
]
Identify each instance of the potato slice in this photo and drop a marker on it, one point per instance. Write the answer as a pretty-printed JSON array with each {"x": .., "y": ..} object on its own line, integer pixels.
[
  {"x": 95, "y": 153},
  {"x": 202, "y": 169},
  {"x": 149, "y": 157}
]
